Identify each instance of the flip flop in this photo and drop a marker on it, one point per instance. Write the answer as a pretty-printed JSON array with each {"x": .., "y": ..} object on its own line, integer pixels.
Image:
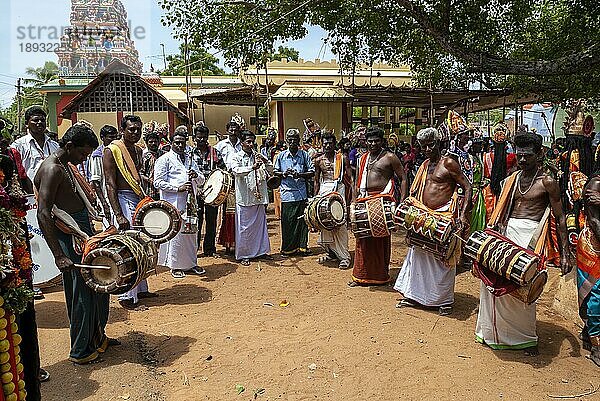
[
  {"x": 406, "y": 303},
  {"x": 245, "y": 262},
  {"x": 177, "y": 274},
  {"x": 325, "y": 259},
  {"x": 198, "y": 270}
]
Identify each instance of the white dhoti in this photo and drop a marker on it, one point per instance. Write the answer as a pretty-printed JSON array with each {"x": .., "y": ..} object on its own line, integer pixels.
[
  {"x": 128, "y": 201},
  {"x": 180, "y": 252},
  {"x": 425, "y": 279},
  {"x": 251, "y": 235},
  {"x": 506, "y": 322},
  {"x": 335, "y": 242}
]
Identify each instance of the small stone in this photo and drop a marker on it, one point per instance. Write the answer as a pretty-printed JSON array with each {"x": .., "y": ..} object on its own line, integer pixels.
[{"x": 312, "y": 367}]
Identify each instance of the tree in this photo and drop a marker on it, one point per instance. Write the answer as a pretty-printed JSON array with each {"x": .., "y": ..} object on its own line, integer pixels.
[
  {"x": 200, "y": 62},
  {"x": 31, "y": 94},
  {"x": 550, "y": 47},
  {"x": 285, "y": 52}
]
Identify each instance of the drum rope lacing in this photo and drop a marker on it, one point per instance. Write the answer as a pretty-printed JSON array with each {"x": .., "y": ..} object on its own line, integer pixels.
[{"x": 138, "y": 250}]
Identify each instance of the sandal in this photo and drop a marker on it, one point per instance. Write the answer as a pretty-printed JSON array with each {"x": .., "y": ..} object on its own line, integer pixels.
[
  {"x": 245, "y": 262},
  {"x": 344, "y": 265},
  {"x": 200, "y": 271},
  {"x": 406, "y": 303},
  {"x": 325, "y": 259},
  {"x": 177, "y": 274}
]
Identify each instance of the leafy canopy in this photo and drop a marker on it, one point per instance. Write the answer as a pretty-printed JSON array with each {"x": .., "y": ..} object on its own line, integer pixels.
[{"x": 551, "y": 47}]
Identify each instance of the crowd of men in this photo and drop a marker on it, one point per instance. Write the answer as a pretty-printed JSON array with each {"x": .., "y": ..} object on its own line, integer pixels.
[{"x": 510, "y": 182}]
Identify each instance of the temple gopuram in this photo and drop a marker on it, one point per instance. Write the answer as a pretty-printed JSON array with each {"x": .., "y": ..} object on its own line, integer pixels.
[{"x": 98, "y": 34}]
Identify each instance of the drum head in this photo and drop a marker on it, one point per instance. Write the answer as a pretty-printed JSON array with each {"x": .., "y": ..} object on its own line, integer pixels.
[
  {"x": 537, "y": 286},
  {"x": 103, "y": 277},
  {"x": 212, "y": 186},
  {"x": 157, "y": 222},
  {"x": 337, "y": 210}
]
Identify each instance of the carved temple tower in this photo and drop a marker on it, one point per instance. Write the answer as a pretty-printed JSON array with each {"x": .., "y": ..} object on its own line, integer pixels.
[{"x": 98, "y": 34}]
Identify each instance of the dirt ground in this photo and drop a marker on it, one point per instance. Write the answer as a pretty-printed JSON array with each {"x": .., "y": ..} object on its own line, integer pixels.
[{"x": 209, "y": 338}]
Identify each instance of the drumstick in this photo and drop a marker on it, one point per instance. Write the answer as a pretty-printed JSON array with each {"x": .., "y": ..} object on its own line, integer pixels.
[
  {"x": 99, "y": 267},
  {"x": 460, "y": 238}
]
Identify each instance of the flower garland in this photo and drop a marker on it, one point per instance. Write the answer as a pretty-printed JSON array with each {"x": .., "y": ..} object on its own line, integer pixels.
[{"x": 15, "y": 259}]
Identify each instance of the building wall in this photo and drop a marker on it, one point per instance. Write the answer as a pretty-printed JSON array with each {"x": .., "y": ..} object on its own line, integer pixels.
[
  {"x": 98, "y": 119},
  {"x": 326, "y": 114},
  {"x": 216, "y": 116}
]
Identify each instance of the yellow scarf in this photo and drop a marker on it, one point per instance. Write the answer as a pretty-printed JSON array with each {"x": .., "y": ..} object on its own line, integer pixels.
[{"x": 126, "y": 166}]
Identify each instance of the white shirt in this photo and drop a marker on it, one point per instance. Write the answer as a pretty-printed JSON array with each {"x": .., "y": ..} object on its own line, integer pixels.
[
  {"x": 248, "y": 180},
  {"x": 225, "y": 149},
  {"x": 31, "y": 153},
  {"x": 170, "y": 173}
]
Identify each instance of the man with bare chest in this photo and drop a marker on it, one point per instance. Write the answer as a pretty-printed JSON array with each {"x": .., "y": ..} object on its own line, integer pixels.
[
  {"x": 330, "y": 170},
  {"x": 376, "y": 170},
  {"x": 522, "y": 214},
  {"x": 424, "y": 279},
  {"x": 122, "y": 162},
  {"x": 87, "y": 309}
]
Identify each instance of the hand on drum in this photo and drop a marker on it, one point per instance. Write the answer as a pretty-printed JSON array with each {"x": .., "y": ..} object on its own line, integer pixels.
[
  {"x": 63, "y": 263},
  {"x": 565, "y": 264},
  {"x": 187, "y": 187},
  {"x": 192, "y": 174}
]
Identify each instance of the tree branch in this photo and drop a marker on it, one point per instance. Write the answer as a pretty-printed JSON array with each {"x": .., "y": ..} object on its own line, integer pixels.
[{"x": 481, "y": 62}]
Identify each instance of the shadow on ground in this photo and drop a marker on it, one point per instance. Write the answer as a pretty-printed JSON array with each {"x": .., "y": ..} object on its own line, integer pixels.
[
  {"x": 180, "y": 294},
  {"x": 147, "y": 352},
  {"x": 53, "y": 315}
]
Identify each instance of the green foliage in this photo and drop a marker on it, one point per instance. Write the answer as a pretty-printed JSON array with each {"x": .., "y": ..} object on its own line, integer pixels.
[
  {"x": 285, "y": 52},
  {"x": 549, "y": 47},
  {"x": 201, "y": 62},
  {"x": 16, "y": 299},
  {"x": 31, "y": 94}
]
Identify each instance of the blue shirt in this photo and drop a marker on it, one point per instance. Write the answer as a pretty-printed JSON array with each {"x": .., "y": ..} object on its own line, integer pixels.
[{"x": 291, "y": 189}]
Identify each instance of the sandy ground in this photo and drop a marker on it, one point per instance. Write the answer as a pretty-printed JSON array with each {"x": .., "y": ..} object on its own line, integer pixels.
[{"x": 207, "y": 338}]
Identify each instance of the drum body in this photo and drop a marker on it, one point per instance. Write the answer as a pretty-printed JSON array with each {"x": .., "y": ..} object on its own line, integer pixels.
[
  {"x": 530, "y": 293},
  {"x": 424, "y": 222},
  {"x": 45, "y": 272},
  {"x": 326, "y": 212},
  {"x": 446, "y": 252},
  {"x": 498, "y": 254},
  {"x": 217, "y": 187},
  {"x": 132, "y": 256},
  {"x": 159, "y": 220},
  {"x": 372, "y": 218}
]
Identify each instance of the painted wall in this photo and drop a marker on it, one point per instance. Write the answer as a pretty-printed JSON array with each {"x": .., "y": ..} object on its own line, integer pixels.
[{"x": 98, "y": 119}]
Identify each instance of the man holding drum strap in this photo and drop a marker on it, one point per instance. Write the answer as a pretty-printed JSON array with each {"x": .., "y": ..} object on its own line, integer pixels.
[
  {"x": 375, "y": 178},
  {"x": 87, "y": 309},
  {"x": 423, "y": 279},
  {"x": 331, "y": 168},
  {"x": 522, "y": 214},
  {"x": 122, "y": 162}
]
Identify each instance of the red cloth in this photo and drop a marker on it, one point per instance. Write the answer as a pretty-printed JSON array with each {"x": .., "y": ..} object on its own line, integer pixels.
[
  {"x": 16, "y": 156},
  {"x": 227, "y": 232},
  {"x": 372, "y": 260}
]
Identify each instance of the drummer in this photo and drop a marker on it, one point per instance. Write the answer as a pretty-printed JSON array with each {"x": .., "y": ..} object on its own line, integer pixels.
[
  {"x": 522, "y": 210},
  {"x": 151, "y": 153},
  {"x": 423, "y": 279},
  {"x": 331, "y": 168},
  {"x": 122, "y": 162},
  {"x": 87, "y": 309},
  {"x": 207, "y": 160},
  {"x": 376, "y": 170}
]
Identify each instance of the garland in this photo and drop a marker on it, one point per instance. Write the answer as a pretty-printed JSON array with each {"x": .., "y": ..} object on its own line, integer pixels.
[
  {"x": 15, "y": 259},
  {"x": 15, "y": 291}
]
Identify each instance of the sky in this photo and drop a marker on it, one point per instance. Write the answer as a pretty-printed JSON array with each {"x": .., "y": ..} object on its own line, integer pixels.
[{"x": 29, "y": 25}]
